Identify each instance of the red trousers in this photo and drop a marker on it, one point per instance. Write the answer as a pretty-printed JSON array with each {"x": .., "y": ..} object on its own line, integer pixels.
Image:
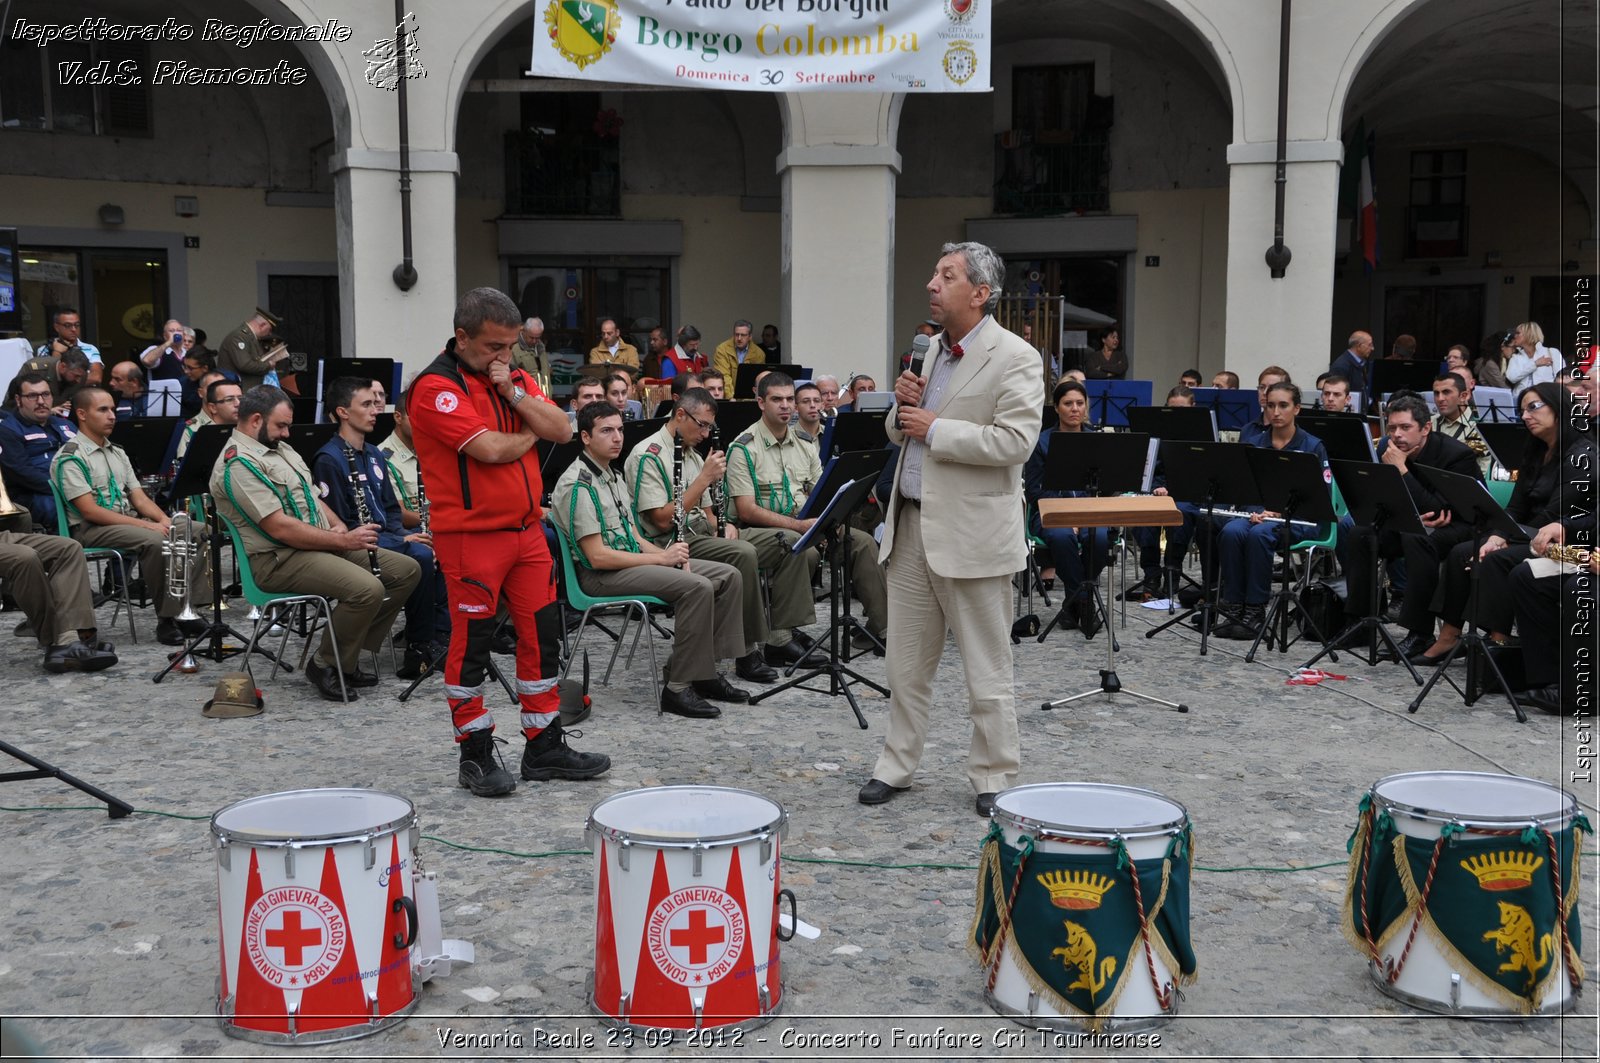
[{"x": 479, "y": 567}]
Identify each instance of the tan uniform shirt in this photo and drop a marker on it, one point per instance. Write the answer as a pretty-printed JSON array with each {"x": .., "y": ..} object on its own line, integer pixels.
[
  {"x": 252, "y": 481},
  {"x": 780, "y": 474},
  {"x": 649, "y": 470},
  {"x": 190, "y": 427},
  {"x": 584, "y": 504},
  {"x": 403, "y": 469},
  {"x": 1464, "y": 430},
  {"x": 84, "y": 467}
]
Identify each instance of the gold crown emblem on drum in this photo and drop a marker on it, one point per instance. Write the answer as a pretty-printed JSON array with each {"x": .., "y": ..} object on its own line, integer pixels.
[
  {"x": 1075, "y": 889},
  {"x": 1504, "y": 870}
]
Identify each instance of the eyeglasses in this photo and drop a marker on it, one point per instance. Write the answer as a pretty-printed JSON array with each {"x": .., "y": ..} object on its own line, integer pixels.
[
  {"x": 1534, "y": 407},
  {"x": 705, "y": 426},
  {"x": 41, "y": 396}
]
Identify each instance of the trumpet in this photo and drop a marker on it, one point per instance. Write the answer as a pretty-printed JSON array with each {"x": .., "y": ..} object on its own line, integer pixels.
[{"x": 179, "y": 551}]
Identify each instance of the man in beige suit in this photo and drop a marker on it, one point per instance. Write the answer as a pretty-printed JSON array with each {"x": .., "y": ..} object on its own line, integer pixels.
[{"x": 954, "y": 536}]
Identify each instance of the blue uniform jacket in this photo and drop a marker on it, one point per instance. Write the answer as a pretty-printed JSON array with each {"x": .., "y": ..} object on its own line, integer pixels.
[
  {"x": 331, "y": 470},
  {"x": 25, "y": 453}
]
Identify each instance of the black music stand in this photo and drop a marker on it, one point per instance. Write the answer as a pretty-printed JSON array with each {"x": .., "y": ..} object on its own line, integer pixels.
[
  {"x": 116, "y": 808},
  {"x": 1292, "y": 483},
  {"x": 1098, "y": 464},
  {"x": 1182, "y": 424},
  {"x": 194, "y": 478},
  {"x": 1204, "y": 474},
  {"x": 307, "y": 439},
  {"x": 1390, "y": 375},
  {"x": 634, "y": 433},
  {"x": 836, "y": 472},
  {"x": 1469, "y": 500},
  {"x": 854, "y": 430},
  {"x": 1345, "y": 436},
  {"x": 1376, "y": 495},
  {"x": 733, "y": 417},
  {"x": 833, "y": 523},
  {"x": 146, "y": 440},
  {"x": 1507, "y": 441}
]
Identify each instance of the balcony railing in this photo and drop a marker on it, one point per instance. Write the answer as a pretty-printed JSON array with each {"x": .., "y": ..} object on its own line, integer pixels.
[
  {"x": 562, "y": 175},
  {"x": 1035, "y": 175}
]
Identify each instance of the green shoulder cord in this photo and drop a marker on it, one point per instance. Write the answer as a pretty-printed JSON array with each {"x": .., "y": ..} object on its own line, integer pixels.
[
  {"x": 786, "y": 505},
  {"x": 399, "y": 485},
  {"x": 101, "y": 500},
  {"x": 617, "y": 540},
  {"x": 285, "y": 499},
  {"x": 638, "y": 482}
]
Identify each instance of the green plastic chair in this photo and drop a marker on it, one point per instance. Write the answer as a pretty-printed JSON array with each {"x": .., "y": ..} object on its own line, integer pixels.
[
  {"x": 577, "y": 598},
  {"x": 1309, "y": 547},
  {"x": 97, "y": 556},
  {"x": 270, "y": 603},
  {"x": 1500, "y": 491}
]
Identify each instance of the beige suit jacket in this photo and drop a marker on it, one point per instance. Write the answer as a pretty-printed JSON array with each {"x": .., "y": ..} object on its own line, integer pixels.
[{"x": 988, "y": 422}]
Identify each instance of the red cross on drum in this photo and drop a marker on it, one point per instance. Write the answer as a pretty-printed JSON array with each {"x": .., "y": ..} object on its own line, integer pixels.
[
  {"x": 686, "y": 908},
  {"x": 316, "y": 914}
]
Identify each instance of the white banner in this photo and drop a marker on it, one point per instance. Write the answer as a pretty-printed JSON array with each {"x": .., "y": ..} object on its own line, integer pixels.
[{"x": 768, "y": 45}]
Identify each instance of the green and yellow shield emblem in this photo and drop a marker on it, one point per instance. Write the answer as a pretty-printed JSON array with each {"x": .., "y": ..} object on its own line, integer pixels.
[{"x": 583, "y": 31}]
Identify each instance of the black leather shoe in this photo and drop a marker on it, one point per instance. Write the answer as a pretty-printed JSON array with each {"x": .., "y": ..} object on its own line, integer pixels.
[
  {"x": 418, "y": 662},
  {"x": 1246, "y": 627},
  {"x": 326, "y": 682},
  {"x": 789, "y": 653},
  {"x": 688, "y": 703},
  {"x": 719, "y": 689},
  {"x": 77, "y": 657},
  {"x": 876, "y": 792},
  {"x": 1089, "y": 620},
  {"x": 358, "y": 678},
  {"x": 985, "y": 805},
  {"x": 1067, "y": 619},
  {"x": 1422, "y": 660},
  {"x": 1542, "y": 699},
  {"x": 863, "y": 642},
  {"x": 168, "y": 633},
  {"x": 1414, "y": 645},
  {"x": 753, "y": 667}
]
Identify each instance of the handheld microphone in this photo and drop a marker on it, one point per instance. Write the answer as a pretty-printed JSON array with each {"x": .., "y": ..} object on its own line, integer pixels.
[{"x": 919, "y": 352}]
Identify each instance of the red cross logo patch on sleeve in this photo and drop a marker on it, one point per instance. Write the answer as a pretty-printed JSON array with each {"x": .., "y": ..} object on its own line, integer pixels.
[{"x": 445, "y": 402}]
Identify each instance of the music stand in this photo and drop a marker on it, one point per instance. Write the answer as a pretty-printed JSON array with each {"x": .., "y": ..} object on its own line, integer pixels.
[
  {"x": 636, "y": 432},
  {"x": 1469, "y": 500},
  {"x": 1098, "y": 464},
  {"x": 1344, "y": 436},
  {"x": 1204, "y": 474},
  {"x": 145, "y": 439},
  {"x": 1390, "y": 375},
  {"x": 744, "y": 383},
  {"x": 833, "y": 524},
  {"x": 382, "y": 427},
  {"x": 1507, "y": 442},
  {"x": 1183, "y": 424},
  {"x": 1292, "y": 482},
  {"x": 1496, "y": 405},
  {"x": 855, "y": 430},
  {"x": 164, "y": 399},
  {"x": 733, "y": 417},
  {"x": 194, "y": 478},
  {"x": 307, "y": 439},
  {"x": 1376, "y": 495},
  {"x": 554, "y": 459},
  {"x": 1114, "y": 397}
]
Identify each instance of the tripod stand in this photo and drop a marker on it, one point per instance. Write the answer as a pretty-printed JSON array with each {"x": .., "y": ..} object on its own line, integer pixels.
[
  {"x": 833, "y": 523},
  {"x": 1469, "y": 500},
  {"x": 194, "y": 479},
  {"x": 436, "y": 667},
  {"x": 1379, "y": 502},
  {"x": 116, "y": 808},
  {"x": 1292, "y": 483}
]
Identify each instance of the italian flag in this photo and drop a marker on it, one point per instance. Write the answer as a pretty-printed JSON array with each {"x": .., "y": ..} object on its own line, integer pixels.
[{"x": 1366, "y": 197}]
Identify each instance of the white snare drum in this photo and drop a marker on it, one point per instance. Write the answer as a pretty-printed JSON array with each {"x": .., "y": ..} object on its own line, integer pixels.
[
  {"x": 686, "y": 908},
  {"x": 317, "y": 914},
  {"x": 1422, "y": 802},
  {"x": 1078, "y": 817}
]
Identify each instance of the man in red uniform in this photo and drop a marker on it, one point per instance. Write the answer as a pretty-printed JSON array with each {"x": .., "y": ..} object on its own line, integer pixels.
[{"x": 474, "y": 420}]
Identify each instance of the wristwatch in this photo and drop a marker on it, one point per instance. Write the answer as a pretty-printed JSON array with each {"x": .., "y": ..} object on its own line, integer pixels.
[{"x": 518, "y": 393}]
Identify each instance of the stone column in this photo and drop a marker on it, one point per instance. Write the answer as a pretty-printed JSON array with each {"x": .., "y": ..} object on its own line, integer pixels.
[
  {"x": 1287, "y": 321},
  {"x": 839, "y": 167}
]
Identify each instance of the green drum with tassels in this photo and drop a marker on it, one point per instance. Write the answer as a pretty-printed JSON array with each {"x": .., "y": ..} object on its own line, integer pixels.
[
  {"x": 1463, "y": 890},
  {"x": 1082, "y": 918}
]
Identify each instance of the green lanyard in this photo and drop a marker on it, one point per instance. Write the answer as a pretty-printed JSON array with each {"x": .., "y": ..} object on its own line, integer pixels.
[
  {"x": 784, "y": 504},
  {"x": 285, "y": 498},
  {"x": 111, "y": 500}
]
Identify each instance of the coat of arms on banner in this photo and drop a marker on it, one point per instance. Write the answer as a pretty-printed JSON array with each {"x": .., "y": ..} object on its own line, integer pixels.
[
  {"x": 960, "y": 10},
  {"x": 583, "y": 31},
  {"x": 960, "y": 62}
]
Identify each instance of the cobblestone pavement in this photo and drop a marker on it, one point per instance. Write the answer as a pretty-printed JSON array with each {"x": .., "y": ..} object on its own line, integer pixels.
[{"x": 114, "y": 923}]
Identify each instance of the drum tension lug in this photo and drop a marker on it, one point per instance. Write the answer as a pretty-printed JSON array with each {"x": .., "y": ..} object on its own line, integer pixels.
[
  {"x": 224, "y": 855},
  {"x": 1455, "y": 991},
  {"x": 371, "y": 852},
  {"x": 622, "y": 853},
  {"x": 765, "y": 996},
  {"x": 294, "y": 1013},
  {"x": 766, "y": 848},
  {"x": 696, "y": 860},
  {"x": 1033, "y": 1003},
  {"x": 288, "y": 861},
  {"x": 622, "y": 1007},
  {"x": 699, "y": 1011},
  {"x": 372, "y": 1008}
]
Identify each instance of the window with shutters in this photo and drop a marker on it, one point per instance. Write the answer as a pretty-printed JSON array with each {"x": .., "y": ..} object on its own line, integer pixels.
[{"x": 61, "y": 88}]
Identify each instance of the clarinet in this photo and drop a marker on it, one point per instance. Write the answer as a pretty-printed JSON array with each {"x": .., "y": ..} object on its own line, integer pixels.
[
  {"x": 680, "y": 529},
  {"x": 358, "y": 484},
  {"x": 719, "y": 500},
  {"x": 422, "y": 505}
]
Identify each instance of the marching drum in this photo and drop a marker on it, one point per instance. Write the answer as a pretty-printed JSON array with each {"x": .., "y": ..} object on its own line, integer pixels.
[
  {"x": 1077, "y": 937},
  {"x": 1456, "y": 881},
  {"x": 686, "y": 908},
  {"x": 317, "y": 914}
]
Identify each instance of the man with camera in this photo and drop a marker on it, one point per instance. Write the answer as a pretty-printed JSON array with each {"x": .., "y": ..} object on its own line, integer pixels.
[{"x": 67, "y": 326}]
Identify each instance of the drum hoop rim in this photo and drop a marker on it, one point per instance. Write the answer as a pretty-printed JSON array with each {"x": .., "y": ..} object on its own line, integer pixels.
[
  {"x": 778, "y": 827},
  {"x": 1565, "y": 814},
  {"x": 1048, "y": 830},
  {"x": 277, "y": 841}
]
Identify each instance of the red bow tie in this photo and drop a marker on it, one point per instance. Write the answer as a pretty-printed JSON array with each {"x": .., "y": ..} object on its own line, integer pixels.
[{"x": 956, "y": 351}]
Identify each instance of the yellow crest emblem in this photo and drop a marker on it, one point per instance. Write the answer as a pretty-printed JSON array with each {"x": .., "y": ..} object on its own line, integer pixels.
[{"x": 583, "y": 31}]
